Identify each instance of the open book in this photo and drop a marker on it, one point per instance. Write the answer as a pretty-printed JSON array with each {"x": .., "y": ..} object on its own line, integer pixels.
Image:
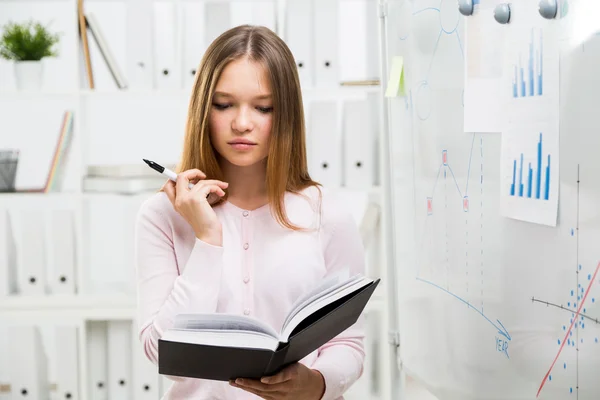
[{"x": 225, "y": 346}]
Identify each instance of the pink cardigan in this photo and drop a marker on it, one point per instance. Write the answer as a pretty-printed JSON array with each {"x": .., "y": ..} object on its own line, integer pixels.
[{"x": 260, "y": 271}]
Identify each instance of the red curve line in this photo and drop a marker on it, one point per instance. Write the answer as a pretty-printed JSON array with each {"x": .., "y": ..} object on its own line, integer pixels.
[{"x": 569, "y": 330}]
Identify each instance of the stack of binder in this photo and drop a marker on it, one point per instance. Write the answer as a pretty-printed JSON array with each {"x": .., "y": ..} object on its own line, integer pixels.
[
  {"x": 50, "y": 269},
  {"x": 117, "y": 366}
]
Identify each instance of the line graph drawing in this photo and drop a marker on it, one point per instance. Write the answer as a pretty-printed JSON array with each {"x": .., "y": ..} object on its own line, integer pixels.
[
  {"x": 575, "y": 307},
  {"x": 456, "y": 199},
  {"x": 568, "y": 333},
  {"x": 422, "y": 87},
  {"x": 501, "y": 329}
]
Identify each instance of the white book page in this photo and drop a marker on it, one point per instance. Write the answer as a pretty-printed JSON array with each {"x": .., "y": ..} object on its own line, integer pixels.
[
  {"x": 222, "y": 322},
  {"x": 213, "y": 337},
  {"x": 322, "y": 302},
  {"x": 330, "y": 285}
]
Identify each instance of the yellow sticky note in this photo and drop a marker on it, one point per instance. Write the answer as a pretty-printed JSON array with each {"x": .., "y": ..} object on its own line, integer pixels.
[{"x": 395, "y": 84}]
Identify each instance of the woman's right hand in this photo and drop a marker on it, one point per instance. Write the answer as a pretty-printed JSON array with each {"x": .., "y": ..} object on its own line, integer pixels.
[{"x": 192, "y": 204}]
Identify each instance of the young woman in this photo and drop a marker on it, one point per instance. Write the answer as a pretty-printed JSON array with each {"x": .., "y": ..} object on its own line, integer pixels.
[{"x": 272, "y": 233}]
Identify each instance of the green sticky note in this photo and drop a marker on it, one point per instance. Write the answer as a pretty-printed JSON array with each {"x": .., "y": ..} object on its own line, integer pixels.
[{"x": 395, "y": 84}]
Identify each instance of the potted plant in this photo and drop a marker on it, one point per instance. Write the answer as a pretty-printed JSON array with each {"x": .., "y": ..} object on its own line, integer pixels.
[{"x": 27, "y": 44}]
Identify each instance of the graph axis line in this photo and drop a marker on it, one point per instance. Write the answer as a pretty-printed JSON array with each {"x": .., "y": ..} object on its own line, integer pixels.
[
  {"x": 577, "y": 275},
  {"x": 501, "y": 329},
  {"x": 561, "y": 307}
]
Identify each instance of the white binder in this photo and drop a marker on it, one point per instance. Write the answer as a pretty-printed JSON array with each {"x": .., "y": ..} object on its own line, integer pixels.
[
  {"x": 217, "y": 19},
  {"x": 67, "y": 363},
  {"x": 139, "y": 44},
  {"x": 358, "y": 30},
  {"x": 372, "y": 37},
  {"x": 29, "y": 224},
  {"x": 359, "y": 145},
  {"x": 97, "y": 367},
  {"x": 352, "y": 40},
  {"x": 264, "y": 13},
  {"x": 325, "y": 144},
  {"x": 166, "y": 72},
  {"x": 28, "y": 363},
  {"x": 119, "y": 360},
  {"x": 253, "y": 13},
  {"x": 194, "y": 43},
  {"x": 241, "y": 12},
  {"x": 299, "y": 38},
  {"x": 8, "y": 273},
  {"x": 326, "y": 20},
  {"x": 62, "y": 251},
  {"x": 146, "y": 381},
  {"x": 109, "y": 257}
]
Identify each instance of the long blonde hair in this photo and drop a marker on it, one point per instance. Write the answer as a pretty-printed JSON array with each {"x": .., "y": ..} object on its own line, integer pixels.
[{"x": 287, "y": 168}]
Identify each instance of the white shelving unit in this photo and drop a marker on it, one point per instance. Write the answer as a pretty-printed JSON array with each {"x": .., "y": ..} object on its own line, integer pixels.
[
  {"x": 121, "y": 126},
  {"x": 76, "y": 307}
]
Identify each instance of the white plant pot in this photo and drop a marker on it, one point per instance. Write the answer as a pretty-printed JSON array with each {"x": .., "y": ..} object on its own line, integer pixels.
[{"x": 28, "y": 75}]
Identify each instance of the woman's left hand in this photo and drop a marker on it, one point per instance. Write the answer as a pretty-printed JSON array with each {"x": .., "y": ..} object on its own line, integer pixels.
[{"x": 296, "y": 381}]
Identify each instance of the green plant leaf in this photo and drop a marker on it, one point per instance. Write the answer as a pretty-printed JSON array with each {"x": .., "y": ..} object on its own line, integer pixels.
[{"x": 27, "y": 41}]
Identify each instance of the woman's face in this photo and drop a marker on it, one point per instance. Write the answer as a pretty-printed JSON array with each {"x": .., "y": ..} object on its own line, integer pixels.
[{"x": 241, "y": 113}]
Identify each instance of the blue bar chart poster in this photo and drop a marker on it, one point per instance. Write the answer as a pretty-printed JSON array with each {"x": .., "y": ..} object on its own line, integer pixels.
[
  {"x": 531, "y": 65},
  {"x": 528, "y": 68},
  {"x": 530, "y": 172}
]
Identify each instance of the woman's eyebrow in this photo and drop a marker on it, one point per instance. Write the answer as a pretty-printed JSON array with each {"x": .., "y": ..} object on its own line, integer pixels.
[{"x": 259, "y": 97}]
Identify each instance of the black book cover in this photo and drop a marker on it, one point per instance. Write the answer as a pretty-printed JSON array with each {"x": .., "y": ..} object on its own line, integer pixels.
[{"x": 226, "y": 363}]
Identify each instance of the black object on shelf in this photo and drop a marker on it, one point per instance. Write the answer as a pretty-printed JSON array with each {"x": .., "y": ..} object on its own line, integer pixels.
[{"x": 9, "y": 159}]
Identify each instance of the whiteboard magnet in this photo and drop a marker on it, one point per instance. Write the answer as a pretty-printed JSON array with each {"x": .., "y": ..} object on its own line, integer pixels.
[
  {"x": 465, "y": 7},
  {"x": 548, "y": 8},
  {"x": 502, "y": 13}
]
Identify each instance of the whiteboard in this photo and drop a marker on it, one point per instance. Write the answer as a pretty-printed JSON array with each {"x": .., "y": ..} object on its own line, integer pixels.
[{"x": 491, "y": 307}]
